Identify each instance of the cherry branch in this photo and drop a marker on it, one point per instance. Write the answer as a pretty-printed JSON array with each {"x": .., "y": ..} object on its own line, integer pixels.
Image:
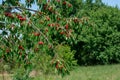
[
  {"x": 35, "y": 27},
  {"x": 19, "y": 7}
]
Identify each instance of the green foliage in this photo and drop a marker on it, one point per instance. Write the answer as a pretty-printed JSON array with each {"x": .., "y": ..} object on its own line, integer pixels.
[
  {"x": 22, "y": 74},
  {"x": 42, "y": 62},
  {"x": 64, "y": 59},
  {"x": 64, "y": 52},
  {"x": 99, "y": 48},
  {"x": 99, "y": 44}
]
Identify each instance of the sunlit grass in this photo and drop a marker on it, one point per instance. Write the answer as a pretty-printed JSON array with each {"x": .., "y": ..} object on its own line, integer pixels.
[
  {"x": 100, "y": 72},
  {"x": 107, "y": 72}
]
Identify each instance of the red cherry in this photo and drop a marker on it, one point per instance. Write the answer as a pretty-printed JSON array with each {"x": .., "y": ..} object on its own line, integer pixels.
[
  {"x": 46, "y": 29},
  {"x": 33, "y": 14},
  {"x": 57, "y": 65},
  {"x": 19, "y": 16},
  {"x": 49, "y": 25},
  {"x": 50, "y": 46},
  {"x": 66, "y": 26},
  {"x": 21, "y": 47},
  {"x": 52, "y": 24},
  {"x": 58, "y": 18},
  {"x": 36, "y": 34},
  {"x": 64, "y": 3},
  {"x": 20, "y": 53},
  {"x": 40, "y": 13},
  {"x": 40, "y": 43},
  {"x": 47, "y": 18},
  {"x": 45, "y": 6},
  {"x": 57, "y": 24},
  {"x": 36, "y": 49},
  {"x": 7, "y": 50},
  {"x": 8, "y": 14},
  {"x": 69, "y": 5},
  {"x": 22, "y": 19},
  {"x": 61, "y": 32},
  {"x": 76, "y": 20}
]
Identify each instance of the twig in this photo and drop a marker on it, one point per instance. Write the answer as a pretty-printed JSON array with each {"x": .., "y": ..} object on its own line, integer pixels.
[
  {"x": 41, "y": 33},
  {"x": 19, "y": 7}
]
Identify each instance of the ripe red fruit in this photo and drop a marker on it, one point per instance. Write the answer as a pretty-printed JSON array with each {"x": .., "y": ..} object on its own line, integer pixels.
[
  {"x": 76, "y": 20},
  {"x": 21, "y": 47},
  {"x": 47, "y": 18},
  {"x": 22, "y": 19},
  {"x": 19, "y": 16},
  {"x": 57, "y": 65},
  {"x": 49, "y": 46},
  {"x": 20, "y": 53},
  {"x": 40, "y": 43},
  {"x": 36, "y": 49},
  {"x": 7, "y": 50},
  {"x": 52, "y": 24},
  {"x": 58, "y": 18},
  {"x": 46, "y": 29},
  {"x": 8, "y": 14},
  {"x": 40, "y": 13},
  {"x": 66, "y": 26},
  {"x": 69, "y": 5},
  {"x": 57, "y": 24},
  {"x": 45, "y": 6},
  {"x": 36, "y": 34},
  {"x": 64, "y": 3},
  {"x": 61, "y": 32},
  {"x": 33, "y": 14},
  {"x": 49, "y": 25}
]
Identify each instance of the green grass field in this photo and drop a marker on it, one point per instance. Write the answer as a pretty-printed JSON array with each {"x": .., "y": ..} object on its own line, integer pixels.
[{"x": 106, "y": 72}]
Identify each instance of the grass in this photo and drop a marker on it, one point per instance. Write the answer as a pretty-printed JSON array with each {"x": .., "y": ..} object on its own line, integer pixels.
[
  {"x": 106, "y": 72},
  {"x": 100, "y": 72}
]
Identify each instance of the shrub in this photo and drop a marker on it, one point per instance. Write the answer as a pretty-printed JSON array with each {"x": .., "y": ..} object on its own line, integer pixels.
[
  {"x": 98, "y": 45},
  {"x": 64, "y": 58}
]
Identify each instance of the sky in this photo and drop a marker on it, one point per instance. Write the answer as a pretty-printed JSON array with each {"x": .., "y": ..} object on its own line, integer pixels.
[{"x": 112, "y": 2}]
